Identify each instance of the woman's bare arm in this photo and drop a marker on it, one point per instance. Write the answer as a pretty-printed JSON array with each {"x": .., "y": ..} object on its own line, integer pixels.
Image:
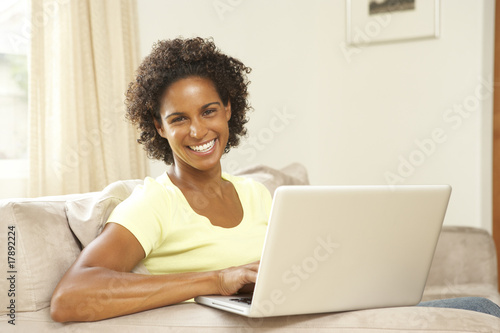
[{"x": 99, "y": 284}]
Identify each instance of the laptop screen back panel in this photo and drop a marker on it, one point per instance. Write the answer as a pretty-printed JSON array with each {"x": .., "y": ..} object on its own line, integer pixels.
[{"x": 332, "y": 248}]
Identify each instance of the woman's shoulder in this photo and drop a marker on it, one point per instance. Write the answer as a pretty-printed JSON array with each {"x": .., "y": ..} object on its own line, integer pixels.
[
  {"x": 161, "y": 182},
  {"x": 159, "y": 187}
]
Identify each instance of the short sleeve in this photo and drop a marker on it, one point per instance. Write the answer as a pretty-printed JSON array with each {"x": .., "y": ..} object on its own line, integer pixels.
[
  {"x": 144, "y": 213},
  {"x": 265, "y": 197}
]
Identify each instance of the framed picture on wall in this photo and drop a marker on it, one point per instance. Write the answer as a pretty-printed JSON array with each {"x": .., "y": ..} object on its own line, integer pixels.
[{"x": 386, "y": 21}]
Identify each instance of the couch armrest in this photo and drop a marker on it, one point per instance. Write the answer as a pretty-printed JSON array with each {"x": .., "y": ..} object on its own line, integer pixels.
[
  {"x": 44, "y": 249},
  {"x": 464, "y": 265}
]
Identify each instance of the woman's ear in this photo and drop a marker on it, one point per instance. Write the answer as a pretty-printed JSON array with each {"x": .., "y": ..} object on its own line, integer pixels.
[
  {"x": 227, "y": 108},
  {"x": 159, "y": 128}
]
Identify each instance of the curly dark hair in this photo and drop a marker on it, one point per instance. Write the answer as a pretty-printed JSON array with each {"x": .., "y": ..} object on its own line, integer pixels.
[{"x": 170, "y": 61}]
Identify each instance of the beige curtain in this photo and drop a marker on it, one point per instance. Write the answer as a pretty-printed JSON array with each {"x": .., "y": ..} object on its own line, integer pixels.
[{"x": 83, "y": 55}]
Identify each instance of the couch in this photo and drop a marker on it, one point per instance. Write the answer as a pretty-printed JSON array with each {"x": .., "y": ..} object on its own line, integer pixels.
[{"x": 43, "y": 236}]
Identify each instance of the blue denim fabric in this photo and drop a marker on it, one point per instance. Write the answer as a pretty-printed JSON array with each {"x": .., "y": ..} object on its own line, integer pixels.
[{"x": 478, "y": 304}]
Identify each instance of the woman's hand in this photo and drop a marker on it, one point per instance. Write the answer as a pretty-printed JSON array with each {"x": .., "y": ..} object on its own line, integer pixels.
[{"x": 239, "y": 278}]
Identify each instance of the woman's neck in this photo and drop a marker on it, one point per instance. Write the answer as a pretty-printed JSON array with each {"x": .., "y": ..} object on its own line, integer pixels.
[{"x": 190, "y": 178}]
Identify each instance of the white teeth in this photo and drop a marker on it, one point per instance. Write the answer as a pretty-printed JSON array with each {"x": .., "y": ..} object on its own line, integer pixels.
[{"x": 203, "y": 148}]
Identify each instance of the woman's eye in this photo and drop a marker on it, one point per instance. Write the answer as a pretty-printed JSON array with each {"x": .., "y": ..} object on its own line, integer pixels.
[
  {"x": 178, "y": 119},
  {"x": 209, "y": 112}
]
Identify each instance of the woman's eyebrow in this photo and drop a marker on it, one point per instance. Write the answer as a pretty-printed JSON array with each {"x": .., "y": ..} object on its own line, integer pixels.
[{"x": 208, "y": 104}]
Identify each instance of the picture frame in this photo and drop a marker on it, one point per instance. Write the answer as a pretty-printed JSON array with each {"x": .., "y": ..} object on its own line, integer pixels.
[{"x": 387, "y": 21}]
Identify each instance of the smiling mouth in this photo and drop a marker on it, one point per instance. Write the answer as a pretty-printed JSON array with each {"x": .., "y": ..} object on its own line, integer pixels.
[{"x": 203, "y": 148}]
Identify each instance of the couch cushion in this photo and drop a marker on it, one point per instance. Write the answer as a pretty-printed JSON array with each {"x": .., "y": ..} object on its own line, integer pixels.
[
  {"x": 44, "y": 249},
  {"x": 191, "y": 317}
]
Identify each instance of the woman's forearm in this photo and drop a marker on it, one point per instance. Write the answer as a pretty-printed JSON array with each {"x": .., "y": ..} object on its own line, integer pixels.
[
  {"x": 95, "y": 293},
  {"x": 99, "y": 284}
]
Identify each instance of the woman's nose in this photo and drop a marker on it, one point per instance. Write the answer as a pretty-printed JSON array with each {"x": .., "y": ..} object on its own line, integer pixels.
[{"x": 198, "y": 129}]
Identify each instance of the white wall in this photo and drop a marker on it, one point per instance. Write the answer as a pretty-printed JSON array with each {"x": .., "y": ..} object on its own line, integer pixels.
[{"x": 353, "y": 117}]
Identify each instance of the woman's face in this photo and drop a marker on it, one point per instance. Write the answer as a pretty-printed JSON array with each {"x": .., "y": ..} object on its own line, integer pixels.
[{"x": 195, "y": 123}]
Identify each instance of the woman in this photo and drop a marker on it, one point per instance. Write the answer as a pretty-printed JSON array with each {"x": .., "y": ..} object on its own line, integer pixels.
[
  {"x": 189, "y": 101},
  {"x": 198, "y": 230}
]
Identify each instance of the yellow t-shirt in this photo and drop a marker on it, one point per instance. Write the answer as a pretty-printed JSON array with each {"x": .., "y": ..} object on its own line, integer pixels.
[{"x": 176, "y": 239}]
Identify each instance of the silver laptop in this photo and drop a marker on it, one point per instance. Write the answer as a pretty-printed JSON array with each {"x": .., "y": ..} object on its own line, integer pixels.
[{"x": 341, "y": 248}]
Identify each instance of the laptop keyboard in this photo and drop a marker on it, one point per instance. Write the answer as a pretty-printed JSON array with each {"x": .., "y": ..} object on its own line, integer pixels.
[{"x": 247, "y": 300}]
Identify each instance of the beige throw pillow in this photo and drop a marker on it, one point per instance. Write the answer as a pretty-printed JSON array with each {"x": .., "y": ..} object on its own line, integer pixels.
[{"x": 87, "y": 216}]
